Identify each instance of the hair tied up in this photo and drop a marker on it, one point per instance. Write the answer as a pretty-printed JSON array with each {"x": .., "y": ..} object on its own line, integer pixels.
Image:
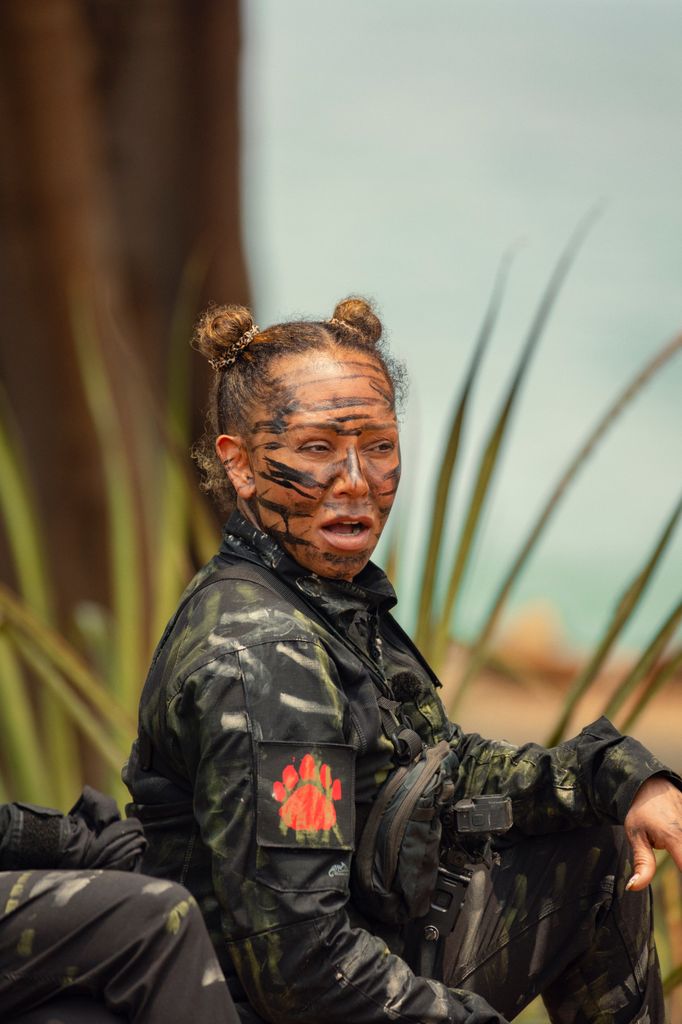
[
  {"x": 338, "y": 323},
  {"x": 222, "y": 362}
]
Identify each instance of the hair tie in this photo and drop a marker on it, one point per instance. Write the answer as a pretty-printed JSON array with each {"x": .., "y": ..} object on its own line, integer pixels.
[{"x": 222, "y": 362}]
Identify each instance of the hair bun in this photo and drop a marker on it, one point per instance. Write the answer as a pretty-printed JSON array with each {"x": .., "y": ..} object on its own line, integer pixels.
[
  {"x": 358, "y": 314},
  {"x": 219, "y": 330}
]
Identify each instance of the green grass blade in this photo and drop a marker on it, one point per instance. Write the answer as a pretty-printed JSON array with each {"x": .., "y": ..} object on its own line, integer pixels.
[
  {"x": 625, "y": 608},
  {"x": 170, "y": 557},
  {"x": 391, "y": 560},
  {"x": 61, "y": 749},
  {"x": 645, "y": 663},
  {"x": 54, "y": 648},
  {"x": 446, "y": 470},
  {"x": 659, "y": 679},
  {"x": 112, "y": 752},
  {"x": 171, "y": 566},
  {"x": 125, "y": 527},
  {"x": 19, "y": 734},
  {"x": 94, "y": 632},
  {"x": 205, "y": 533},
  {"x": 672, "y": 980},
  {"x": 182, "y": 322},
  {"x": 18, "y": 507},
  {"x": 666, "y": 913},
  {"x": 493, "y": 445},
  {"x": 668, "y": 879},
  {"x": 479, "y": 648}
]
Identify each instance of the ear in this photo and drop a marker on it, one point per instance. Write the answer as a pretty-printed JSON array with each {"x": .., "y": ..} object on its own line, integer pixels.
[{"x": 234, "y": 456}]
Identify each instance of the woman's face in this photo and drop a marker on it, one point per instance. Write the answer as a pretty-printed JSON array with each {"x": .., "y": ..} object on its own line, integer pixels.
[{"x": 320, "y": 471}]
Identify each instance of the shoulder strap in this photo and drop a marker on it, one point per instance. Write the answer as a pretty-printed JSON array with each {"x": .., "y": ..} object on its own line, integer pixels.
[
  {"x": 258, "y": 573},
  {"x": 253, "y": 572},
  {"x": 407, "y": 743},
  {"x": 245, "y": 570}
]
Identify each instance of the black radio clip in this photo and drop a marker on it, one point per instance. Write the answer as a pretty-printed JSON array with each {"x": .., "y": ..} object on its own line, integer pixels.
[{"x": 468, "y": 829}]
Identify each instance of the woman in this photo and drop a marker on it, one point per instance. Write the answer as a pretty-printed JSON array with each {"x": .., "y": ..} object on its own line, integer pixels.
[{"x": 273, "y": 712}]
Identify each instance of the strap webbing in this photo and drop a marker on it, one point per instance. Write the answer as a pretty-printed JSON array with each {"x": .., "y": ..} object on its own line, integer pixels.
[{"x": 407, "y": 746}]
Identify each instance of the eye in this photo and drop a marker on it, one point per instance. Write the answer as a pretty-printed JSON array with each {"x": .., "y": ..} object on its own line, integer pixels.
[
  {"x": 382, "y": 447},
  {"x": 315, "y": 447}
]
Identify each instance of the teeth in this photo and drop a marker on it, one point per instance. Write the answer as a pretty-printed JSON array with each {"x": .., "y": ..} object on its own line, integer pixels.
[{"x": 349, "y": 527}]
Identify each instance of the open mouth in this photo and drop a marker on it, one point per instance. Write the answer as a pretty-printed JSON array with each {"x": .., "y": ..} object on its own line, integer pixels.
[
  {"x": 346, "y": 529},
  {"x": 347, "y": 534}
]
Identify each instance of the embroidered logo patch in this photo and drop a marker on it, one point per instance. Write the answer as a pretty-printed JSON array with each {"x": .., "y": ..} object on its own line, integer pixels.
[{"x": 305, "y": 795}]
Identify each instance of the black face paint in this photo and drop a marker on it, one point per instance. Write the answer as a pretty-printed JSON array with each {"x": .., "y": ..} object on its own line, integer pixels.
[
  {"x": 286, "y": 513},
  {"x": 367, "y": 371},
  {"x": 277, "y": 425},
  {"x": 382, "y": 390},
  {"x": 393, "y": 476},
  {"x": 336, "y": 425},
  {"x": 342, "y": 403},
  {"x": 327, "y": 493},
  {"x": 287, "y": 476},
  {"x": 352, "y": 416},
  {"x": 282, "y": 510},
  {"x": 286, "y": 538},
  {"x": 270, "y": 446}
]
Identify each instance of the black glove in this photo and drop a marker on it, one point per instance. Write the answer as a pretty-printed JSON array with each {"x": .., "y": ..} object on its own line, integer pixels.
[{"x": 92, "y": 835}]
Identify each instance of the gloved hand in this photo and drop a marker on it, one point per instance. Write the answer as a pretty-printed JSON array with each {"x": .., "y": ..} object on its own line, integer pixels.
[{"x": 92, "y": 835}]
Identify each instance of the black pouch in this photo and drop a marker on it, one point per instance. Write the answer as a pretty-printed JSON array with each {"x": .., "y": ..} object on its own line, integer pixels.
[{"x": 396, "y": 864}]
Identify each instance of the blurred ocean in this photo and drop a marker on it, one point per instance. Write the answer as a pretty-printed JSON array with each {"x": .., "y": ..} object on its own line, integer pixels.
[{"x": 397, "y": 149}]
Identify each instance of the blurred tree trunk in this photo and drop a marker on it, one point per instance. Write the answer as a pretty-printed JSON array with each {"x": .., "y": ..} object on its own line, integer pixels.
[{"x": 120, "y": 161}]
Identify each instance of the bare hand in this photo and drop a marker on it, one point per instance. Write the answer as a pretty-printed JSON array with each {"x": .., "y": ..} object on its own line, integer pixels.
[{"x": 654, "y": 821}]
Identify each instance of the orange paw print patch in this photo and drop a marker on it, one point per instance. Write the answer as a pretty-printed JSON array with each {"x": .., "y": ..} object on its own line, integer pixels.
[{"x": 305, "y": 795}]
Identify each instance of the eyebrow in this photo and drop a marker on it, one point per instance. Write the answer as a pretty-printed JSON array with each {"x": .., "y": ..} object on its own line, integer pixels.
[{"x": 271, "y": 446}]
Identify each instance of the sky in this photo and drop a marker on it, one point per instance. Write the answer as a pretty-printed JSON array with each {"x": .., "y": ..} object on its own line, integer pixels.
[{"x": 398, "y": 150}]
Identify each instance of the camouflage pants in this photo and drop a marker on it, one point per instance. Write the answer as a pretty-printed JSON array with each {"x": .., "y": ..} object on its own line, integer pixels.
[
  {"x": 137, "y": 943},
  {"x": 553, "y": 918}
]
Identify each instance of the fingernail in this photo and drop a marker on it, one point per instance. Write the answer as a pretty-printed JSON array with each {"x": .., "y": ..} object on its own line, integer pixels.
[{"x": 635, "y": 878}]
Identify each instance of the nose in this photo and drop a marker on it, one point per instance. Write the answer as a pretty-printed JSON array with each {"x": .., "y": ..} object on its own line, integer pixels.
[{"x": 350, "y": 479}]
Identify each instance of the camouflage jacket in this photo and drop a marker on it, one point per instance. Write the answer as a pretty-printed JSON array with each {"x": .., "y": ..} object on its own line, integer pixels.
[{"x": 266, "y": 742}]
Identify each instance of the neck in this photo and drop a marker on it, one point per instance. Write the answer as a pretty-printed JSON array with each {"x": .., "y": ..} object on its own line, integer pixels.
[{"x": 244, "y": 507}]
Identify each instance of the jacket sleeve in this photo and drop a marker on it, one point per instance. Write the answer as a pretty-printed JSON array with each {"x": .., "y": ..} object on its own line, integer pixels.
[
  {"x": 585, "y": 780},
  {"x": 264, "y": 734}
]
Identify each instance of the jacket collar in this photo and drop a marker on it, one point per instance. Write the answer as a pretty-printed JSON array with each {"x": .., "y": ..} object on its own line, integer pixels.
[{"x": 369, "y": 591}]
